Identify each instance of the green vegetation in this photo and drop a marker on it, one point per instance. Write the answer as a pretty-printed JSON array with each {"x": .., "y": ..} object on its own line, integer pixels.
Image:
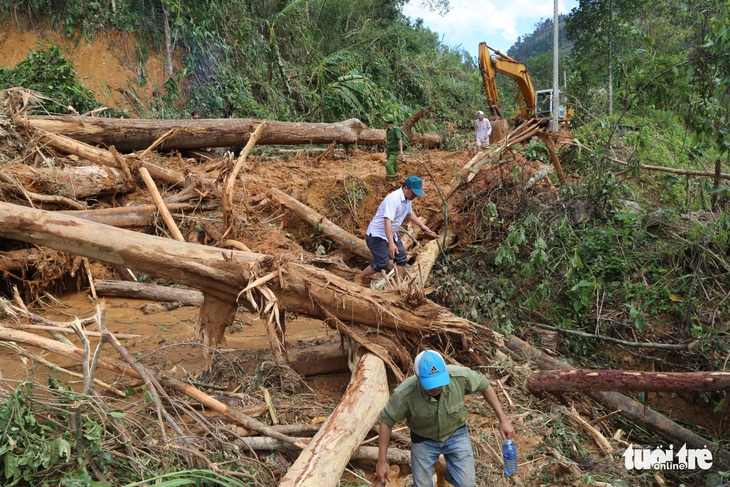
[
  {"x": 52, "y": 436},
  {"x": 320, "y": 60},
  {"x": 48, "y": 72},
  {"x": 622, "y": 251}
]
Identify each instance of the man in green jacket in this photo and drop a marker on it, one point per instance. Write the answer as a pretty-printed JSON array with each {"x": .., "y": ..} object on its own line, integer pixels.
[
  {"x": 393, "y": 147},
  {"x": 432, "y": 404}
]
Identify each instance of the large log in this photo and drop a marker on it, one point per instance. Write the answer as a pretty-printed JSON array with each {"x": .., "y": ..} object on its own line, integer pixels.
[
  {"x": 326, "y": 358},
  {"x": 627, "y": 407},
  {"x": 74, "y": 182},
  {"x": 366, "y": 453},
  {"x": 138, "y": 134},
  {"x": 347, "y": 240},
  {"x": 221, "y": 275},
  {"x": 127, "y": 216},
  {"x": 151, "y": 292},
  {"x": 216, "y": 272},
  {"x": 580, "y": 380},
  {"x": 324, "y": 459}
]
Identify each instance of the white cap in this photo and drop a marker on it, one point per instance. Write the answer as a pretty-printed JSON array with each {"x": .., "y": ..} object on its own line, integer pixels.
[{"x": 480, "y": 112}]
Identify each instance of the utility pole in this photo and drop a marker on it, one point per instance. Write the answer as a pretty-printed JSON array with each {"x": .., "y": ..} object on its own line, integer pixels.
[{"x": 554, "y": 123}]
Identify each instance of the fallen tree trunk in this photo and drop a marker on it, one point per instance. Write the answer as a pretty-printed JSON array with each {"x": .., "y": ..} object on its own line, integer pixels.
[
  {"x": 138, "y": 134},
  {"x": 324, "y": 459},
  {"x": 195, "y": 265},
  {"x": 151, "y": 292},
  {"x": 367, "y": 453},
  {"x": 426, "y": 258},
  {"x": 347, "y": 240},
  {"x": 577, "y": 380},
  {"x": 326, "y": 358},
  {"x": 127, "y": 216},
  {"x": 74, "y": 182},
  {"x": 627, "y": 407},
  {"x": 222, "y": 275}
]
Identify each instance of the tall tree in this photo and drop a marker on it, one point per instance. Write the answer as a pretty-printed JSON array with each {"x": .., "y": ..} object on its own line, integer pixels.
[{"x": 600, "y": 31}]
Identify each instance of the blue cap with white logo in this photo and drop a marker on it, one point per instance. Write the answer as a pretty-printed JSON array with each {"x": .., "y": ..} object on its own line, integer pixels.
[{"x": 431, "y": 370}]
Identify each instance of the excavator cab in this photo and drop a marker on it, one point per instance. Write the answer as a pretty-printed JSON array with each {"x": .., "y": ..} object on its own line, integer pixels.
[{"x": 544, "y": 105}]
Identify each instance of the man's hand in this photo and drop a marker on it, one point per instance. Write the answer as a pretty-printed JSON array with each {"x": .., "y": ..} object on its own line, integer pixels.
[
  {"x": 392, "y": 249},
  {"x": 382, "y": 470},
  {"x": 506, "y": 429}
]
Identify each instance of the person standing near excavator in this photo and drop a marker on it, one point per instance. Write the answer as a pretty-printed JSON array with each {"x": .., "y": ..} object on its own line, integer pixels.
[
  {"x": 482, "y": 130},
  {"x": 393, "y": 147}
]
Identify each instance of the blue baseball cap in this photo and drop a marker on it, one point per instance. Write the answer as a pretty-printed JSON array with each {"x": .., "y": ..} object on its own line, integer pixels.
[
  {"x": 416, "y": 184},
  {"x": 431, "y": 370}
]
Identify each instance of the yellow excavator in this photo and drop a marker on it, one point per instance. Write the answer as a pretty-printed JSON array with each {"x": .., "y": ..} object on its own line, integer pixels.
[{"x": 538, "y": 105}]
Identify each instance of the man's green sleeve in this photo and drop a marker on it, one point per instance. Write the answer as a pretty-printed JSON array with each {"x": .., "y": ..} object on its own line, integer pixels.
[{"x": 393, "y": 411}]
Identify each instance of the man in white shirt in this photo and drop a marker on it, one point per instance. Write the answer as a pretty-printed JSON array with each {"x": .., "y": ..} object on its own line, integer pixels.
[
  {"x": 482, "y": 130},
  {"x": 382, "y": 234}
]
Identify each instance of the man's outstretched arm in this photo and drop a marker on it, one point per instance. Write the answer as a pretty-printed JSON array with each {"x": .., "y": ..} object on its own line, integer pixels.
[
  {"x": 383, "y": 467},
  {"x": 505, "y": 426}
]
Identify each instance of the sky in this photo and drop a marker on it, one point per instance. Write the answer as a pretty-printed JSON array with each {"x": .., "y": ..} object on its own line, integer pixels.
[{"x": 498, "y": 23}]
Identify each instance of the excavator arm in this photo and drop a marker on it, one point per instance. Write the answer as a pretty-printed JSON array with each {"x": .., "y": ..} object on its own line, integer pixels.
[{"x": 503, "y": 64}]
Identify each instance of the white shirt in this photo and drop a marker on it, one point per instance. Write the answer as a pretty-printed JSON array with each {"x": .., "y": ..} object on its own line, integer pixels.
[
  {"x": 394, "y": 207},
  {"x": 482, "y": 129}
]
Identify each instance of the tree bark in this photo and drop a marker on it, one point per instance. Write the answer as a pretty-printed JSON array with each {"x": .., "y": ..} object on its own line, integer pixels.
[
  {"x": 221, "y": 275},
  {"x": 366, "y": 453},
  {"x": 151, "y": 292},
  {"x": 138, "y": 134},
  {"x": 347, "y": 240},
  {"x": 74, "y": 182},
  {"x": 325, "y": 358},
  {"x": 324, "y": 459},
  {"x": 627, "y": 407},
  {"x": 206, "y": 268},
  {"x": 577, "y": 380},
  {"x": 127, "y": 216}
]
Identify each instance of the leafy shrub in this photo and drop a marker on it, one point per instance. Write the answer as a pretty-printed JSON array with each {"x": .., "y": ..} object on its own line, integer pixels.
[{"x": 49, "y": 73}]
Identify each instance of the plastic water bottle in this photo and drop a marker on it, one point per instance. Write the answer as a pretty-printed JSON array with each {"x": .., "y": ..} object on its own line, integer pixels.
[{"x": 509, "y": 455}]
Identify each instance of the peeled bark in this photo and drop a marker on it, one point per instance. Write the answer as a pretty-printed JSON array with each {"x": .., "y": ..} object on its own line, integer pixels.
[
  {"x": 347, "y": 240},
  {"x": 324, "y": 459},
  {"x": 138, "y": 134},
  {"x": 626, "y": 380}
]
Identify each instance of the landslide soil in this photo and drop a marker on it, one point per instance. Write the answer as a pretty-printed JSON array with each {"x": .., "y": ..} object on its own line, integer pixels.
[{"x": 346, "y": 188}]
